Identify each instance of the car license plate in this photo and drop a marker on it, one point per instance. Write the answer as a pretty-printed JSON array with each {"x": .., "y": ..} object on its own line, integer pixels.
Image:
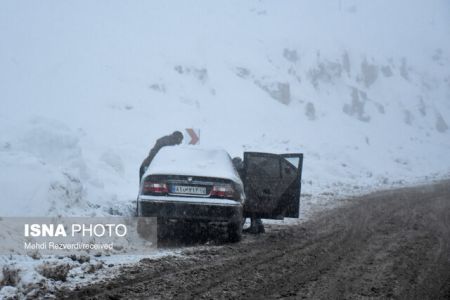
[{"x": 194, "y": 190}]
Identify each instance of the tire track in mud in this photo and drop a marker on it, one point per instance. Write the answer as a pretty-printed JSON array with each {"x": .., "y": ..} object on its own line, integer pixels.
[{"x": 393, "y": 244}]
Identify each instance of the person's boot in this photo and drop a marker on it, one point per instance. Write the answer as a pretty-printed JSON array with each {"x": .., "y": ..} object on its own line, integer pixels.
[
  {"x": 259, "y": 226},
  {"x": 256, "y": 227}
]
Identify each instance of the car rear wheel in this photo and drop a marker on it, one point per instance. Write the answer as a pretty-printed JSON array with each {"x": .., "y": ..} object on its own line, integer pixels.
[
  {"x": 234, "y": 232},
  {"x": 163, "y": 228}
]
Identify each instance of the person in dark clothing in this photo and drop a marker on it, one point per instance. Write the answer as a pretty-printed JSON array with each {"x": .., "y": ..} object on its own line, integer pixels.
[
  {"x": 239, "y": 166},
  {"x": 169, "y": 140},
  {"x": 256, "y": 224}
]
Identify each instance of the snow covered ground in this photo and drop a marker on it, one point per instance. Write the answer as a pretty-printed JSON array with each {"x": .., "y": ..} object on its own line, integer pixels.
[{"x": 361, "y": 88}]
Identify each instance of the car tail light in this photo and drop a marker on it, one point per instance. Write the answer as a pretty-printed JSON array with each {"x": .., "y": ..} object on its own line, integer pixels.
[
  {"x": 155, "y": 188},
  {"x": 223, "y": 191}
]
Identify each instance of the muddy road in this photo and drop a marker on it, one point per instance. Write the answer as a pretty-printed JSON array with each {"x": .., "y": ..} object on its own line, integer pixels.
[{"x": 393, "y": 244}]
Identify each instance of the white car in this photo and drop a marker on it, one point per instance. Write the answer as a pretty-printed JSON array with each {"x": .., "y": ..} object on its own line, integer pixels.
[{"x": 203, "y": 184}]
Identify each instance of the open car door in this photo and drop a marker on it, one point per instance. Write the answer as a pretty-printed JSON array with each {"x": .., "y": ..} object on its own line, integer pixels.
[{"x": 272, "y": 184}]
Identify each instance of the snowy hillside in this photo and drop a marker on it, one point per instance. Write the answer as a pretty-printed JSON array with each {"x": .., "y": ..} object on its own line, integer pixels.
[{"x": 86, "y": 87}]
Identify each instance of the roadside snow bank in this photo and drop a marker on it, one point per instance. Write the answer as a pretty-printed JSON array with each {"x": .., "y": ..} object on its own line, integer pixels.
[
  {"x": 23, "y": 277},
  {"x": 45, "y": 172}
]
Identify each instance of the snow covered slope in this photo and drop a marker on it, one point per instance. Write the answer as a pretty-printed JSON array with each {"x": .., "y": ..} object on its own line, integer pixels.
[{"x": 86, "y": 87}]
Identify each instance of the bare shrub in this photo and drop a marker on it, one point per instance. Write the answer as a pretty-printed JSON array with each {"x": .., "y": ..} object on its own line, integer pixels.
[
  {"x": 81, "y": 258},
  {"x": 10, "y": 276},
  {"x": 35, "y": 255},
  {"x": 92, "y": 268},
  {"x": 54, "y": 270}
]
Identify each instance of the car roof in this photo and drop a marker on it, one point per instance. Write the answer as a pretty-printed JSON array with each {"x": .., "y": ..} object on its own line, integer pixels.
[{"x": 193, "y": 161}]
